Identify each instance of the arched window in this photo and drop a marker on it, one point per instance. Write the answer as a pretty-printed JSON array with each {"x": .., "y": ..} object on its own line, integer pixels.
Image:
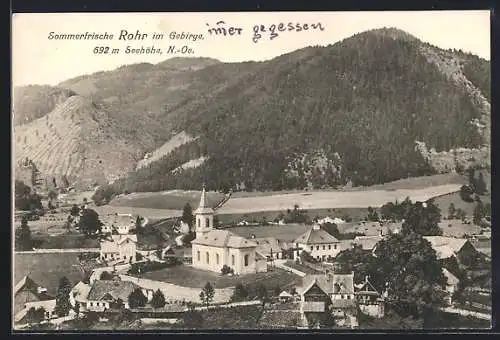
[
  {"x": 208, "y": 223},
  {"x": 232, "y": 260},
  {"x": 246, "y": 260},
  {"x": 208, "y": 258},
  {"x": 198, "y": 222},
  {"x": 217, "y": 258},
  {"x": 199, "y": 257}
]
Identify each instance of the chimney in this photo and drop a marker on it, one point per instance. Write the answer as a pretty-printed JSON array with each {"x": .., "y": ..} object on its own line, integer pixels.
[{"x": 381, "y": 232}]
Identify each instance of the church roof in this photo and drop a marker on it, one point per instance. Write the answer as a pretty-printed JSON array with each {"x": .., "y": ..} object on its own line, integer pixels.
[
  {"x": 223, "y": 238},
  {"x": 204, "y": 208},
  {"x": 315, "y": 235}
]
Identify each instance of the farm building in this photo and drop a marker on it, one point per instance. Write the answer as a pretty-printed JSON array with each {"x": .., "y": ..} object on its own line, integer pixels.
[
  {"x": 79, "y": 294},
  {"x": 367, "y": 243},
  {"x": 318, "y": 243},
  {"x": 106, "y": 294},
  {"x": 460, "y": 248},
  {"x": 119, "y": 223},
  {"x": 328, "y": 293},
  {"x": 212, "y": 249},
  {"x": 119, "y": 247},
  {"x": 369, "y": 300},
  {"x": 451, "y": 285},
  {"x": 27, "y": 293}
]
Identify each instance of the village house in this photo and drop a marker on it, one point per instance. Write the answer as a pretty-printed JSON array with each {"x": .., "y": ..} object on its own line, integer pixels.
[
  {"x": 28, "y": 294},
  {"x": 109, "y": 294},
  {"x": 369, "y": 300},
  {"x": 451, "y": 247},
  {"x": 78, "y": 295},
  {"x": 121, "y": 248},
  {"x": 328, "y": 219},
  {"x": 367, "y": 243},
  {"x": 318, "y": 243},
  {"x": 212, "y": 249},
  {"x": 328, "y": 293},
  {"x": 119, "y": 223},
  {"x": 451, "y": 285}
]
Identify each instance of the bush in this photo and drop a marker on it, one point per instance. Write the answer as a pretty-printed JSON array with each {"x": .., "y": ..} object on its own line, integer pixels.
[
  {"x": 466, "y": 193},
  {"x": 226, "y": 270},
  {"x": 144, "y": 267}
]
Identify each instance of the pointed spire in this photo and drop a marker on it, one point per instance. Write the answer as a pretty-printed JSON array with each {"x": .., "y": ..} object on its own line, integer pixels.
[
  {"x": 203, "y": 199},
  {"x": 204, "y": 207}
]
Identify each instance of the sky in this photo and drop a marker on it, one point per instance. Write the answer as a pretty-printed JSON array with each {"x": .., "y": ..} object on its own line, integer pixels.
[{"x": 36, "y": 59}]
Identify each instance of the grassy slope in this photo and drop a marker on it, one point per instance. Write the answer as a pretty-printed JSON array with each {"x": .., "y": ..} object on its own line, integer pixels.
[{"x": 47, "y": 269}]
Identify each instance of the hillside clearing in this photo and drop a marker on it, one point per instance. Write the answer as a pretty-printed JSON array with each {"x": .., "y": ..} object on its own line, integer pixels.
[{"x": 332, "y": 199}]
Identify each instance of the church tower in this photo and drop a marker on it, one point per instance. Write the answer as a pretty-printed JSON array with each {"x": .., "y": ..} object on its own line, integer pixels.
[{"x": 204, "y": 215}]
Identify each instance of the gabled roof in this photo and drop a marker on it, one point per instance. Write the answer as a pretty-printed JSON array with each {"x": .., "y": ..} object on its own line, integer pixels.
[
  {"x": 80, "y": 291},
  {"x": 321, "y": 280},
  {"x": 115, "y": 288},
  {"x": 451, "y": 279},
  {"x": 26, "y": 283},
  {"x": 446, "y": 247},
  {"x": 315, "y": 235},
  {"x": 367, "y": 242},
  {"x": 343, "y": 283},
  {"x": 365, "y": 287},
  {"x": 285, "y": 294},
  {"x": 223, "y": 238}
]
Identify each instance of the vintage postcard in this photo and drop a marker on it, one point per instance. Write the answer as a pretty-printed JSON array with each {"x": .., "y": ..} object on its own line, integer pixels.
[{"x": 251, "y": 171}]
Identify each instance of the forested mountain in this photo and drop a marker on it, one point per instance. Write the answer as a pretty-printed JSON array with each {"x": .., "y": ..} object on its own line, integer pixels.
[{"x": 322, "y": 116}]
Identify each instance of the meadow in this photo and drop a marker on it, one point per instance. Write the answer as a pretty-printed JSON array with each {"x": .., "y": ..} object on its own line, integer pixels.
[
  {"x": 194, "y": 278},
  {"x": 47, "y": 269},
  {"x": 348, "y": 201},
  {"x": 169, "y": 200},
  {"x": 332, "y": 199}
]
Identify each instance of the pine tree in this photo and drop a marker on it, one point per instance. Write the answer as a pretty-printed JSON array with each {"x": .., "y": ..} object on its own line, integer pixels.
[
  {"x": 23, "y": 236},
  {"x": 137, "y": 299},
  {"x": 158, "y": 300},
  {"x": 451, "y": 211},
  {"x": 207, "y": 294},
  {"x": 187, "y": 215},
  {"x": 479, "y": 213},
  {"x": 480, "y": 185},
  {"x": 63, "y": 305}
]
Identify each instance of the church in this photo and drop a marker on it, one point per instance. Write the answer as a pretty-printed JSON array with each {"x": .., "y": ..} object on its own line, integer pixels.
[{"x": 212, "y": 248}]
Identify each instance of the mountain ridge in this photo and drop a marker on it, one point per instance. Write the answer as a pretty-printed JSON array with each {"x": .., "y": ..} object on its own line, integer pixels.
[{"x": 234, "y": 110}]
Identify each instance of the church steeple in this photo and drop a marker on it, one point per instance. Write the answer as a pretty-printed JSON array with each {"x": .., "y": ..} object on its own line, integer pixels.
[
  {"x": 204, "y": 208},
  {"x": 204, "y": 215}
]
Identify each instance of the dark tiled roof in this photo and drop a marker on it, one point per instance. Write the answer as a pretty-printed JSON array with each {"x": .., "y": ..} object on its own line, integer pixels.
[
  {"x": 117, "y": 289},
  {"x": 223, "y": 238},
  {"x": 316, "y": 235}
]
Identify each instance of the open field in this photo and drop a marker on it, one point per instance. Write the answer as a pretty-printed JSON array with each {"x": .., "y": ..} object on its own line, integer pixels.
[
  {"x": 332, "y": 199},
  {"x": 152, "y": 214},
  {"x": 444, "y": 202},
  {"x": 194, "y": 278},
  {"x": 169, "y": 203},
  {"x": 406, "y": 183},
  {"x": 47, "y": 269},
  {"x": 64, "y": 241},
  {"x": 456, "y": 228},
  {"x": 170, "y": 200},
  {"x": 356, "y": 214}
]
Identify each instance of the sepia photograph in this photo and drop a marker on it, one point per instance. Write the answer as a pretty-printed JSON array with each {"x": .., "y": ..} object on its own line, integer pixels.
[{"x": 278, "y": 171}]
